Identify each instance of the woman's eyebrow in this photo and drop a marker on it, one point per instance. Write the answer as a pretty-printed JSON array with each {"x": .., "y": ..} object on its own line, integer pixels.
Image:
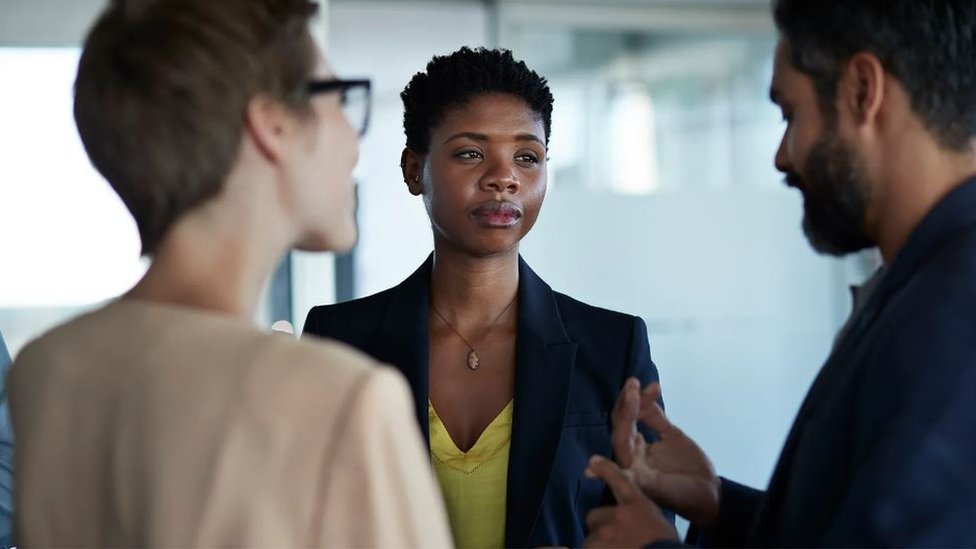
[{"x": 482, "y": 137}]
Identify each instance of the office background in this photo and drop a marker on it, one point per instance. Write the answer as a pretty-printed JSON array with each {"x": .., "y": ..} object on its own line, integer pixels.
[{"x": 663, "y": 201}]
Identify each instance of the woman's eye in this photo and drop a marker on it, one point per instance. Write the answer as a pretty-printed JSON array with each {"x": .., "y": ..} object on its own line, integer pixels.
[
  {"x": 527, "y": 158},
  {"x": 468, "y": 155}
]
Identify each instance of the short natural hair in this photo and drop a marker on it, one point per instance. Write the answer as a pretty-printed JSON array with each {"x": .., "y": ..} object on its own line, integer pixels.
[
  {"x": 163, "y": 87},
  {"x": 929, "y": 46},
  {"x": 453, "y": 80}
]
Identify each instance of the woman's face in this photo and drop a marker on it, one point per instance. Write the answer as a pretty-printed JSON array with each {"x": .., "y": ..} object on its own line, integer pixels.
[
  {"x": 324, "y": 200},
  {"x": 484, "y": 177}
]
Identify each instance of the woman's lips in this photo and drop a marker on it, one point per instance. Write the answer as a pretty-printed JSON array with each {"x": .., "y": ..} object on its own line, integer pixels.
[{"x": 497, "y": 214}]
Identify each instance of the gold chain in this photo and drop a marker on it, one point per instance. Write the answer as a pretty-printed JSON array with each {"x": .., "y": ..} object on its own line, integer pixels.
[{"x": 473, "y": 360}]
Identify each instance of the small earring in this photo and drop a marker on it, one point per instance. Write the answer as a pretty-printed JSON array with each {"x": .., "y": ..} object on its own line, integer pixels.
[{"x": 416, "y": 179}]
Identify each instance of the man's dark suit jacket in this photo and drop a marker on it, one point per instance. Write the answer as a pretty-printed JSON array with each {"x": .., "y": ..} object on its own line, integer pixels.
[
  {"x": 571, "y": 362},
  {"x": 883, "y": 450}
]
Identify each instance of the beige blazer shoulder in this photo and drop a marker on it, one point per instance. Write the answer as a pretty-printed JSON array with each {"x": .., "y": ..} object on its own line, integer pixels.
[{"x": 155, "y": 426}]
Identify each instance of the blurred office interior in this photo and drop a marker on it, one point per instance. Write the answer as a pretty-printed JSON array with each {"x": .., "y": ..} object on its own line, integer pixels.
[{"x": 663, "y": 201}]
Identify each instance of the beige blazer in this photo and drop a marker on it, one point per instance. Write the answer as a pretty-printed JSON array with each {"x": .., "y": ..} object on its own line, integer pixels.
[{"x": 151, "y": 425}]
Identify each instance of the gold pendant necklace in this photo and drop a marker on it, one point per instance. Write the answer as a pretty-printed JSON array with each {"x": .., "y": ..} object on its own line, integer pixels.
[{"x": 473, "y": 360}]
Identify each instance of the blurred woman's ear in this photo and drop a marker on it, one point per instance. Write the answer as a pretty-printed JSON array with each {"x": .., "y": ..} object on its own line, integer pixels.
[
  {"x": 412, "y": 168},
  {"x": 269, "y": 124}
]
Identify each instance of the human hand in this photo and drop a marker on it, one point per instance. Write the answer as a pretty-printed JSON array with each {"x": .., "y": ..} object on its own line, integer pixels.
[
  {"x": 673, "y": 470},
  {"x": 634, "y": 521}
]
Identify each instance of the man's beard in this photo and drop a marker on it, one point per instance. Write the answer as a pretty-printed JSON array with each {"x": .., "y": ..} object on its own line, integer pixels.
[{"x": 835, "y": 197}]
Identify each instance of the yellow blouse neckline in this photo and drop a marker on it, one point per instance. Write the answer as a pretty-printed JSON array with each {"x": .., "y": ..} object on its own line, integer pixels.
[{"x": 496, "y": 437}]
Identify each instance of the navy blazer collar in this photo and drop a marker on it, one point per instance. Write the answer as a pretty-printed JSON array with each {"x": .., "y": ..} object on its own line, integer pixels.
[
  {"x": 545, "y": 358},
  {"x": 956, "y": 211}
]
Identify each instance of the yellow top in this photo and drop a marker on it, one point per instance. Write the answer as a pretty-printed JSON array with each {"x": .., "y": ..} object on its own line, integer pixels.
[{"x": 474, "y": 482}]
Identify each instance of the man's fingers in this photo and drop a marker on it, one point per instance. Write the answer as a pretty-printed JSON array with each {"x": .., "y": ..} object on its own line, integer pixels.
[
  {"x": 598, "y": 517},
  {"x": 598, "y": 538},
  {"x": 652, "y": 415},
  {"x": 624, "y": 420},
  {"x": 624, "y": 490},
  {"x": 652, "y": 391},
  {"x": 628, "y": 402},
  {"x": 649, "y": 482}
]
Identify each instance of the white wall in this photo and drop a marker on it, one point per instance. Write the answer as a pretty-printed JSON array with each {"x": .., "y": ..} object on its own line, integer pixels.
[
  {"x": 46, "y": 23},
  {"x": 66, "y": 240},
  {"x": 739, "y": 310}
]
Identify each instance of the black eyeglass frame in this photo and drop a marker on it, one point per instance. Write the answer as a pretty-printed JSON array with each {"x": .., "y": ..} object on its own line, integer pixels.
[{"x": 338, "y": 85}]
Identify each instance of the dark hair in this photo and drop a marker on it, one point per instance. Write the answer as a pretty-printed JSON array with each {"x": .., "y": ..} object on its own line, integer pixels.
[
  {"x": 928, "y": 45},
  {"x": 455, "y": 79},
  {"x": 162, "y": 89}
]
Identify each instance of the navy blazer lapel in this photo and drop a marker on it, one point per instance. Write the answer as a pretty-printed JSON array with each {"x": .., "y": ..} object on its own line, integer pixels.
[
  {"x": 545, "y": 359},
  {"x": 956, "y": 211},
  {"x": 403, "y": 337}
]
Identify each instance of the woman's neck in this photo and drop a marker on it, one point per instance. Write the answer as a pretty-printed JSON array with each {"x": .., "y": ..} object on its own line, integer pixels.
[
  {"x": 217, "y": 257},
  {"x": 473, "y": 291}
]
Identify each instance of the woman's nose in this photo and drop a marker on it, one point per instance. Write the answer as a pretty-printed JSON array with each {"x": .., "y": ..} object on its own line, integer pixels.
[{"x": 500, "y": 178}]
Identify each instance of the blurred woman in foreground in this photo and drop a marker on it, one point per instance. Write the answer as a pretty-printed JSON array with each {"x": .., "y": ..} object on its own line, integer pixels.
[{"x": 166, "y": 418}]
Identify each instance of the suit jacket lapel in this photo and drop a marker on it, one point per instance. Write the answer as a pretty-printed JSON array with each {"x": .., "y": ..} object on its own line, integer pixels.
[
  {"x": 403, "y": 337},
  {"x": 834, "y": 365},
  {"x": 545, "y": 359}
]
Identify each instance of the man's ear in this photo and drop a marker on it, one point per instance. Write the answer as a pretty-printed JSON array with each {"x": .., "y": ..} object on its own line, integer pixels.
[
  {"x": 269, "y": 124},
  {"x": 862, "y": 88},
  {"x": 412, "y": 168}
]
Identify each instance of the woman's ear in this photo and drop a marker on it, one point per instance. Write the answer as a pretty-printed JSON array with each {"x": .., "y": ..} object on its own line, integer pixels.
[
  {"x": 268, "y": 123},
  {"x": 412, "y": 168}
]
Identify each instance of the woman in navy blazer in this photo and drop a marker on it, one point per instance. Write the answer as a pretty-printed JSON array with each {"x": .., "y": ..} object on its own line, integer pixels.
[{"x": 474, "y": 328}]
